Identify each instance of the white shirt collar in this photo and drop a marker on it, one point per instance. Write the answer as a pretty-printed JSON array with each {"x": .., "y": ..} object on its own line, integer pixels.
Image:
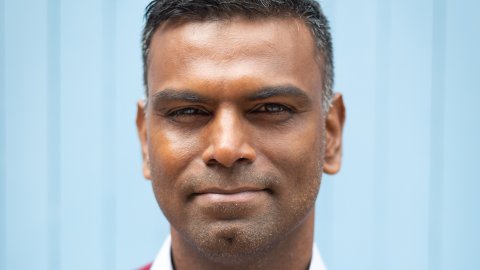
[{"x": 164, "y": 262}]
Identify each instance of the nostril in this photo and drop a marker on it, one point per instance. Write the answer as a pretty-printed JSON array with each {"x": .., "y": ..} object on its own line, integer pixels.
[
  {"x": 212, "y": 162},
  {"x": 242, "y": 159},
  {"x": 227, "y": 155},
  {"x": 227, "y": 163}
]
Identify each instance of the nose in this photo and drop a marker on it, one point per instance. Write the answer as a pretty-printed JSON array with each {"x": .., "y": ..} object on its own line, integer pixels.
[{"x": 228, "y": 140}]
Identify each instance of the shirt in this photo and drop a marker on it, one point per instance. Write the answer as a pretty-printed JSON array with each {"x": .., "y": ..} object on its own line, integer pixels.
[{"x": 163, "y": 261}]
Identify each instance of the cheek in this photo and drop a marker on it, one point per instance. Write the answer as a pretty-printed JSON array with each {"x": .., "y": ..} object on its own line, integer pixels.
[
  {"x": 298, "y": 158},
  {"x": 299, "y": 148},
  {"x": 170, "y": 154}
]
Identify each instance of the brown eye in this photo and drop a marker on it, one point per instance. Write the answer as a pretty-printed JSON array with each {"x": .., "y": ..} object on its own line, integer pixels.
[
  {"x": 273, "y": 113},
  {"x": 186, "y": 112},
  {"x": 273, "y": 108},
  {"x": 189, "y": 115}
]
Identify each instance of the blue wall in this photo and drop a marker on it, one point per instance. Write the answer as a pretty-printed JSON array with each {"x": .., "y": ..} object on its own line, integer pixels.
[{"x": 71, "y": 191}]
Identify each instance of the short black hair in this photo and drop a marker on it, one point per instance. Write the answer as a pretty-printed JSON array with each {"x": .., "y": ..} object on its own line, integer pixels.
[{"x": 161, "y": 11}]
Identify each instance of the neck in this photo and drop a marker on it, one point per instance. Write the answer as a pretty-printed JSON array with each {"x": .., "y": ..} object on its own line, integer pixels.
[{"x": 294, "y": 251}]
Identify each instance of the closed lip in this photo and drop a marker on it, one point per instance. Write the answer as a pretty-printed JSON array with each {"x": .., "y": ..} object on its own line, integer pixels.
[{"x": 216, "y": 190}]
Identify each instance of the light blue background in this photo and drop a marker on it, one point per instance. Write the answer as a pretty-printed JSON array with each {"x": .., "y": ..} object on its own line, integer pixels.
[{"x": 71, "y": 191}]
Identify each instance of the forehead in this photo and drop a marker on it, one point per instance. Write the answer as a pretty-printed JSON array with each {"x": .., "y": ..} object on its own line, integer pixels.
[{"x": 216, "y": 53}]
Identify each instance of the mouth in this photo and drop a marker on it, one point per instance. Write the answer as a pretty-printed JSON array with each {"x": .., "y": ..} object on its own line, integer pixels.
[
  {"x": 237, "y": 196},
  {"x": 226, "y": 191}
]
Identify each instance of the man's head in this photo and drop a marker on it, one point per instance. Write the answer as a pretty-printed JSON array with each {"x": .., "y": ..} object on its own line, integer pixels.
[{"x": 236, "y": 133}]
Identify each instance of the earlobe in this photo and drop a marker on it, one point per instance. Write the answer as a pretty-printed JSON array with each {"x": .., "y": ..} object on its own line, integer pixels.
[
  {"x": 142, "y": 135},
  {"x": 334, "y": 131}
]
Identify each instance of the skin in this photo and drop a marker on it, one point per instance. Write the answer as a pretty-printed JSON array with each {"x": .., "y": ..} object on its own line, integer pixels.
[{"x": 234, "y": 140}]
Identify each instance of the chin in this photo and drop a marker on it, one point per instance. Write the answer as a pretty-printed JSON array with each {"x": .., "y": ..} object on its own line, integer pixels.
[{"x": 228, "y": 242}]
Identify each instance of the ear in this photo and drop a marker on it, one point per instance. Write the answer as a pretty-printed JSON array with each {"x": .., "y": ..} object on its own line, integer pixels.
[
  {"x": 334, "y": 130},
  {"x": 142, "y": 134}
]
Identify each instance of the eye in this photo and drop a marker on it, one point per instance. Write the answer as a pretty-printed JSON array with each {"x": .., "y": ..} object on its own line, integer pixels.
[
  {"x": 185, "y": 112},
  {"x": 188, "y": 115},
  {"x": 272, "y": 108},
  {"x": 273, "y": 113}
]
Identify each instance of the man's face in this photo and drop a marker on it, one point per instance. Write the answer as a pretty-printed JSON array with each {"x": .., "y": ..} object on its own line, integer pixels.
[{"x": 234, "y": 133}]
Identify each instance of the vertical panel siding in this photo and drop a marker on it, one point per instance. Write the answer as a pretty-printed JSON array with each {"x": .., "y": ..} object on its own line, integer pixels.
[
  {"x": 72, "y": 195},
  {"x": 109, "y": 178},
  {"x": 461, "y": 187},
  {"x": 408, "y": 123},
  {"x": 140, "y": 226},
  {"x": 26, "y": 134},
  {"x": 382, "y": 138},
  {"x": 3, "y": 244},
  {"x": 437, "y": 136},
  {"x": 53, "y": 141},
  {"x": 82, "y": 134},
  {"x": 351, "y": 189}
]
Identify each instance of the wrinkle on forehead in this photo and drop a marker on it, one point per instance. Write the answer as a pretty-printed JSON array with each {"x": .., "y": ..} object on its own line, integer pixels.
[
  {"x": 217, "y": 53},
  {"x": 198, "y": 38}
]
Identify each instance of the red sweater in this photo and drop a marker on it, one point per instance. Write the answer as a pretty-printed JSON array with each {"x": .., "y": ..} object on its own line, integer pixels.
[{"x": 146, "y": 267}]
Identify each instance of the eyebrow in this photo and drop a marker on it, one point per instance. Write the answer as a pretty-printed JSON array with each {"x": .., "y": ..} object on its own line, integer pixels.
[
  {"x": 169, "y": 95},
  {"x": 279, "y": 91},
  {"x": 172, "y": 95}
]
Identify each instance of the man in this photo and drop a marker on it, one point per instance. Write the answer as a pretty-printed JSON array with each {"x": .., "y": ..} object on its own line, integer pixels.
[{"x": 239, "y": 123}]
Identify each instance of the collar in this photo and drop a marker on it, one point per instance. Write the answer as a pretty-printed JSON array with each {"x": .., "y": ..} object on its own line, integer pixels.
[{"x": 164, "y": 262}]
